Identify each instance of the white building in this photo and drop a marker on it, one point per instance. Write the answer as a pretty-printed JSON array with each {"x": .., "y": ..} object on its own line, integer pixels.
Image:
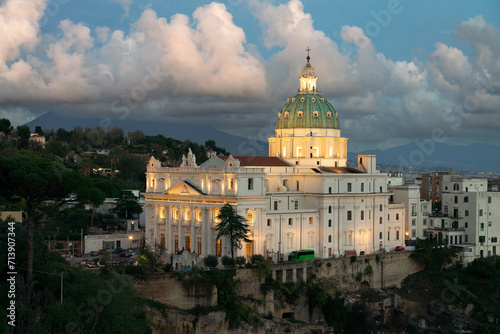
[
  {"x": 417, "y": 217},
  {"x": 303, "y": 196},
  {"x": 470, "y": 219}
]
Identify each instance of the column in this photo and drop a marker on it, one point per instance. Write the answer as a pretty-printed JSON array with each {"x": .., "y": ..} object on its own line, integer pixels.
[{"x": 193, "y": 231}]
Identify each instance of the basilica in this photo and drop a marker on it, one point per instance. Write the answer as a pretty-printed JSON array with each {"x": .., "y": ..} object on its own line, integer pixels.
[{"x": 302, "y": 196}]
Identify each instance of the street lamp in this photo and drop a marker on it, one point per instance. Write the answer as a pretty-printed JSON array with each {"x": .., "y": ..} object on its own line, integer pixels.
[{"x": 130, "y": 238}]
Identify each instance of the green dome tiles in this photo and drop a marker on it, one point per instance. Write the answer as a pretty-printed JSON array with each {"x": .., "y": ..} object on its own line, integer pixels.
[{"x": 308, "y": 111}]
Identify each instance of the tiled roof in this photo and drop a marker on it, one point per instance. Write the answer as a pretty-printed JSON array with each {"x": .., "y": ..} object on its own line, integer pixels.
[
  {"x": 340, "y": 170},
  {"x": 248, "y": 161}
]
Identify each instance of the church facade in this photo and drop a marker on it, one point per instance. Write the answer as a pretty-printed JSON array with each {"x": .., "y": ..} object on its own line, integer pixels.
[{"x": 302, "y": 196}]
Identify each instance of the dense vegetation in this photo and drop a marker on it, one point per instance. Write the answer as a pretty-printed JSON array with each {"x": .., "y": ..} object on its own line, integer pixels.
[{"x": 92, "y": 302}]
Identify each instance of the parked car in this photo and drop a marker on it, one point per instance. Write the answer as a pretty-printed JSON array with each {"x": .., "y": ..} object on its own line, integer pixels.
[
  {"x": 118, "y": 250},
  {"x": 399, "y": 248},
  {"x": 93, "y": 253},
  {"x": 125, "y": 254},
  {"x": 78, "y": 254},
  {"x": 102, "y": 251}
]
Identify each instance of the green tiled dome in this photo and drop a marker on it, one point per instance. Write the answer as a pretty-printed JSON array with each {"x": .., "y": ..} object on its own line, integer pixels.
[{"x": 311, "y": 111}]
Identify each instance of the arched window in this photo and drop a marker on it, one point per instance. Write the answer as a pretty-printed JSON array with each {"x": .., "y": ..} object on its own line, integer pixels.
[
  {"x": 315, "y": 114},
  {"x": 188, "y": 214},
  {"x": 329, "y": 190},
  {"x": 380, "y": 235},
  {"x": 329, "y": 223},
  {"x": 380, "y": 189},
  {"x": 397, "y": 235},
  {"x": 330, "y": 209},
  {"x": 163, "y": 212},
  {"x": 329, "y": 238},
  {"x": 380, "y": 207},
  {"x": 298, "y": 185},
  {"x": 200, "y": 216},
  {"x": 329, "y": 114},
  {"x": 216, "y": 214},
  {"x": 380, "y": 220},
  {"x": 175, "y": 214}
]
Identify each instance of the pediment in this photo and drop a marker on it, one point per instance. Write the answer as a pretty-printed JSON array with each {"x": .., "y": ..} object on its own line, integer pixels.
[{"x": 184, "y": 188}]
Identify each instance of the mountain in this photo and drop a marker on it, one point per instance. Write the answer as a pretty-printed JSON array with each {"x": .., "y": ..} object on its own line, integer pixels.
[
  {"x": 195, "y": 133},
  {"x": 429, "y": 154}
]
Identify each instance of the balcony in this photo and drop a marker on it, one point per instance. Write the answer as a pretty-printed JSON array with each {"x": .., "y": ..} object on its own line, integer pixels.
[{"x": 436, "y": 228}]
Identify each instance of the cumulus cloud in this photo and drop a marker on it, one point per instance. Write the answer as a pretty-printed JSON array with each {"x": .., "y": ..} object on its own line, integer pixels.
[{"x": 200, "y": 68}]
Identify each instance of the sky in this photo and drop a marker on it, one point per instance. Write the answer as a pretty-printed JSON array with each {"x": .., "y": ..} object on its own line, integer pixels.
[{"x": 395, "y": 71}]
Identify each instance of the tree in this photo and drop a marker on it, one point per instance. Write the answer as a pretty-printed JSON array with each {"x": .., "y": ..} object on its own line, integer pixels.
[
  {"x": 127, "y": 205},
  {"x": 232, "y": 226},
  {"x": 23, "y": 136},
  {"x": 5, "y": 126},
  {"x": 211, "y": 261},
  {"x": 40, "y": 181},
  {"x": 38, "y": 130},
  {"x": 434, "y": 257}
]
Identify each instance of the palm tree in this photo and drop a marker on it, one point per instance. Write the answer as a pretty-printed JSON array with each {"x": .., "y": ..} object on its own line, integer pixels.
[{"x": 232, "y": 226}]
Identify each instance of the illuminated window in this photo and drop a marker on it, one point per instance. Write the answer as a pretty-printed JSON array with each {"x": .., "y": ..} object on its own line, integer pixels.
[
  {"x": 188, "y": 214},
  {"x": 250, "y": 218},
  {"x": 216, "y": 215},
  {"x": 163, "y": 213},
  {"x": 200, "y": 216},
  {"x": 286, "y": 114},
  {"x": 316, "y": 152},
  {"x": 218, "y": 248},
  {"x": 249, "y": 249},
  {"x": 199, "y": 245},
  {"x": 162, "y": 241},
  {"x": 310, "y": 220},
  {"x": 299, "y": 152},
  {"x": 175, "y": 214},
  {"x": 231, "y": 183}
]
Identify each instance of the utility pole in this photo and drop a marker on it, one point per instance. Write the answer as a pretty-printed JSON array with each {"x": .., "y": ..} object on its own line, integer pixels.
[{"x": 62, "y": 287}]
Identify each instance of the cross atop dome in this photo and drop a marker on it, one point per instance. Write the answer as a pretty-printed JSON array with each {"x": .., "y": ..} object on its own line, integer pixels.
[{"x": 308, "y": 78}]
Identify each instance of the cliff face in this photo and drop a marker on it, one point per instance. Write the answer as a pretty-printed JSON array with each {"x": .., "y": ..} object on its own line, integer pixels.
[
  {"x": 355, "y": 279},
  {"x": 180, "y": 322},
  {"x": 184, "y": 295}
]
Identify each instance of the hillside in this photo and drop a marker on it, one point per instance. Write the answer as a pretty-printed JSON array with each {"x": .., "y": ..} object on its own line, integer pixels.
[{"x": 195, "y": 133}]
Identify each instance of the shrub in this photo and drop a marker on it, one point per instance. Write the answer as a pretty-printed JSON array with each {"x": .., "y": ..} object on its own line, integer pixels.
[
  {"x": 241, "y": 260},
  {"x": 257, "y": 258},
  {"x": 354, "y": 258},
  {"x": 228, "y": 261},
  {"x": 369, "y": 270},
  {"x": 329, "y": 264},
  {"x": 359, "y": 277},
  {"x": 136, "y": 271},
  {"x": 377, "y": 258},
  {"x": 210, "y": 261}
]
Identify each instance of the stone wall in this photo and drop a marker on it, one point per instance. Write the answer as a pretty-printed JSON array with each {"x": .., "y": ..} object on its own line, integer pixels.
[
  {"x": 390, "y": 270},
  {"x": 184, "y": 295}
]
